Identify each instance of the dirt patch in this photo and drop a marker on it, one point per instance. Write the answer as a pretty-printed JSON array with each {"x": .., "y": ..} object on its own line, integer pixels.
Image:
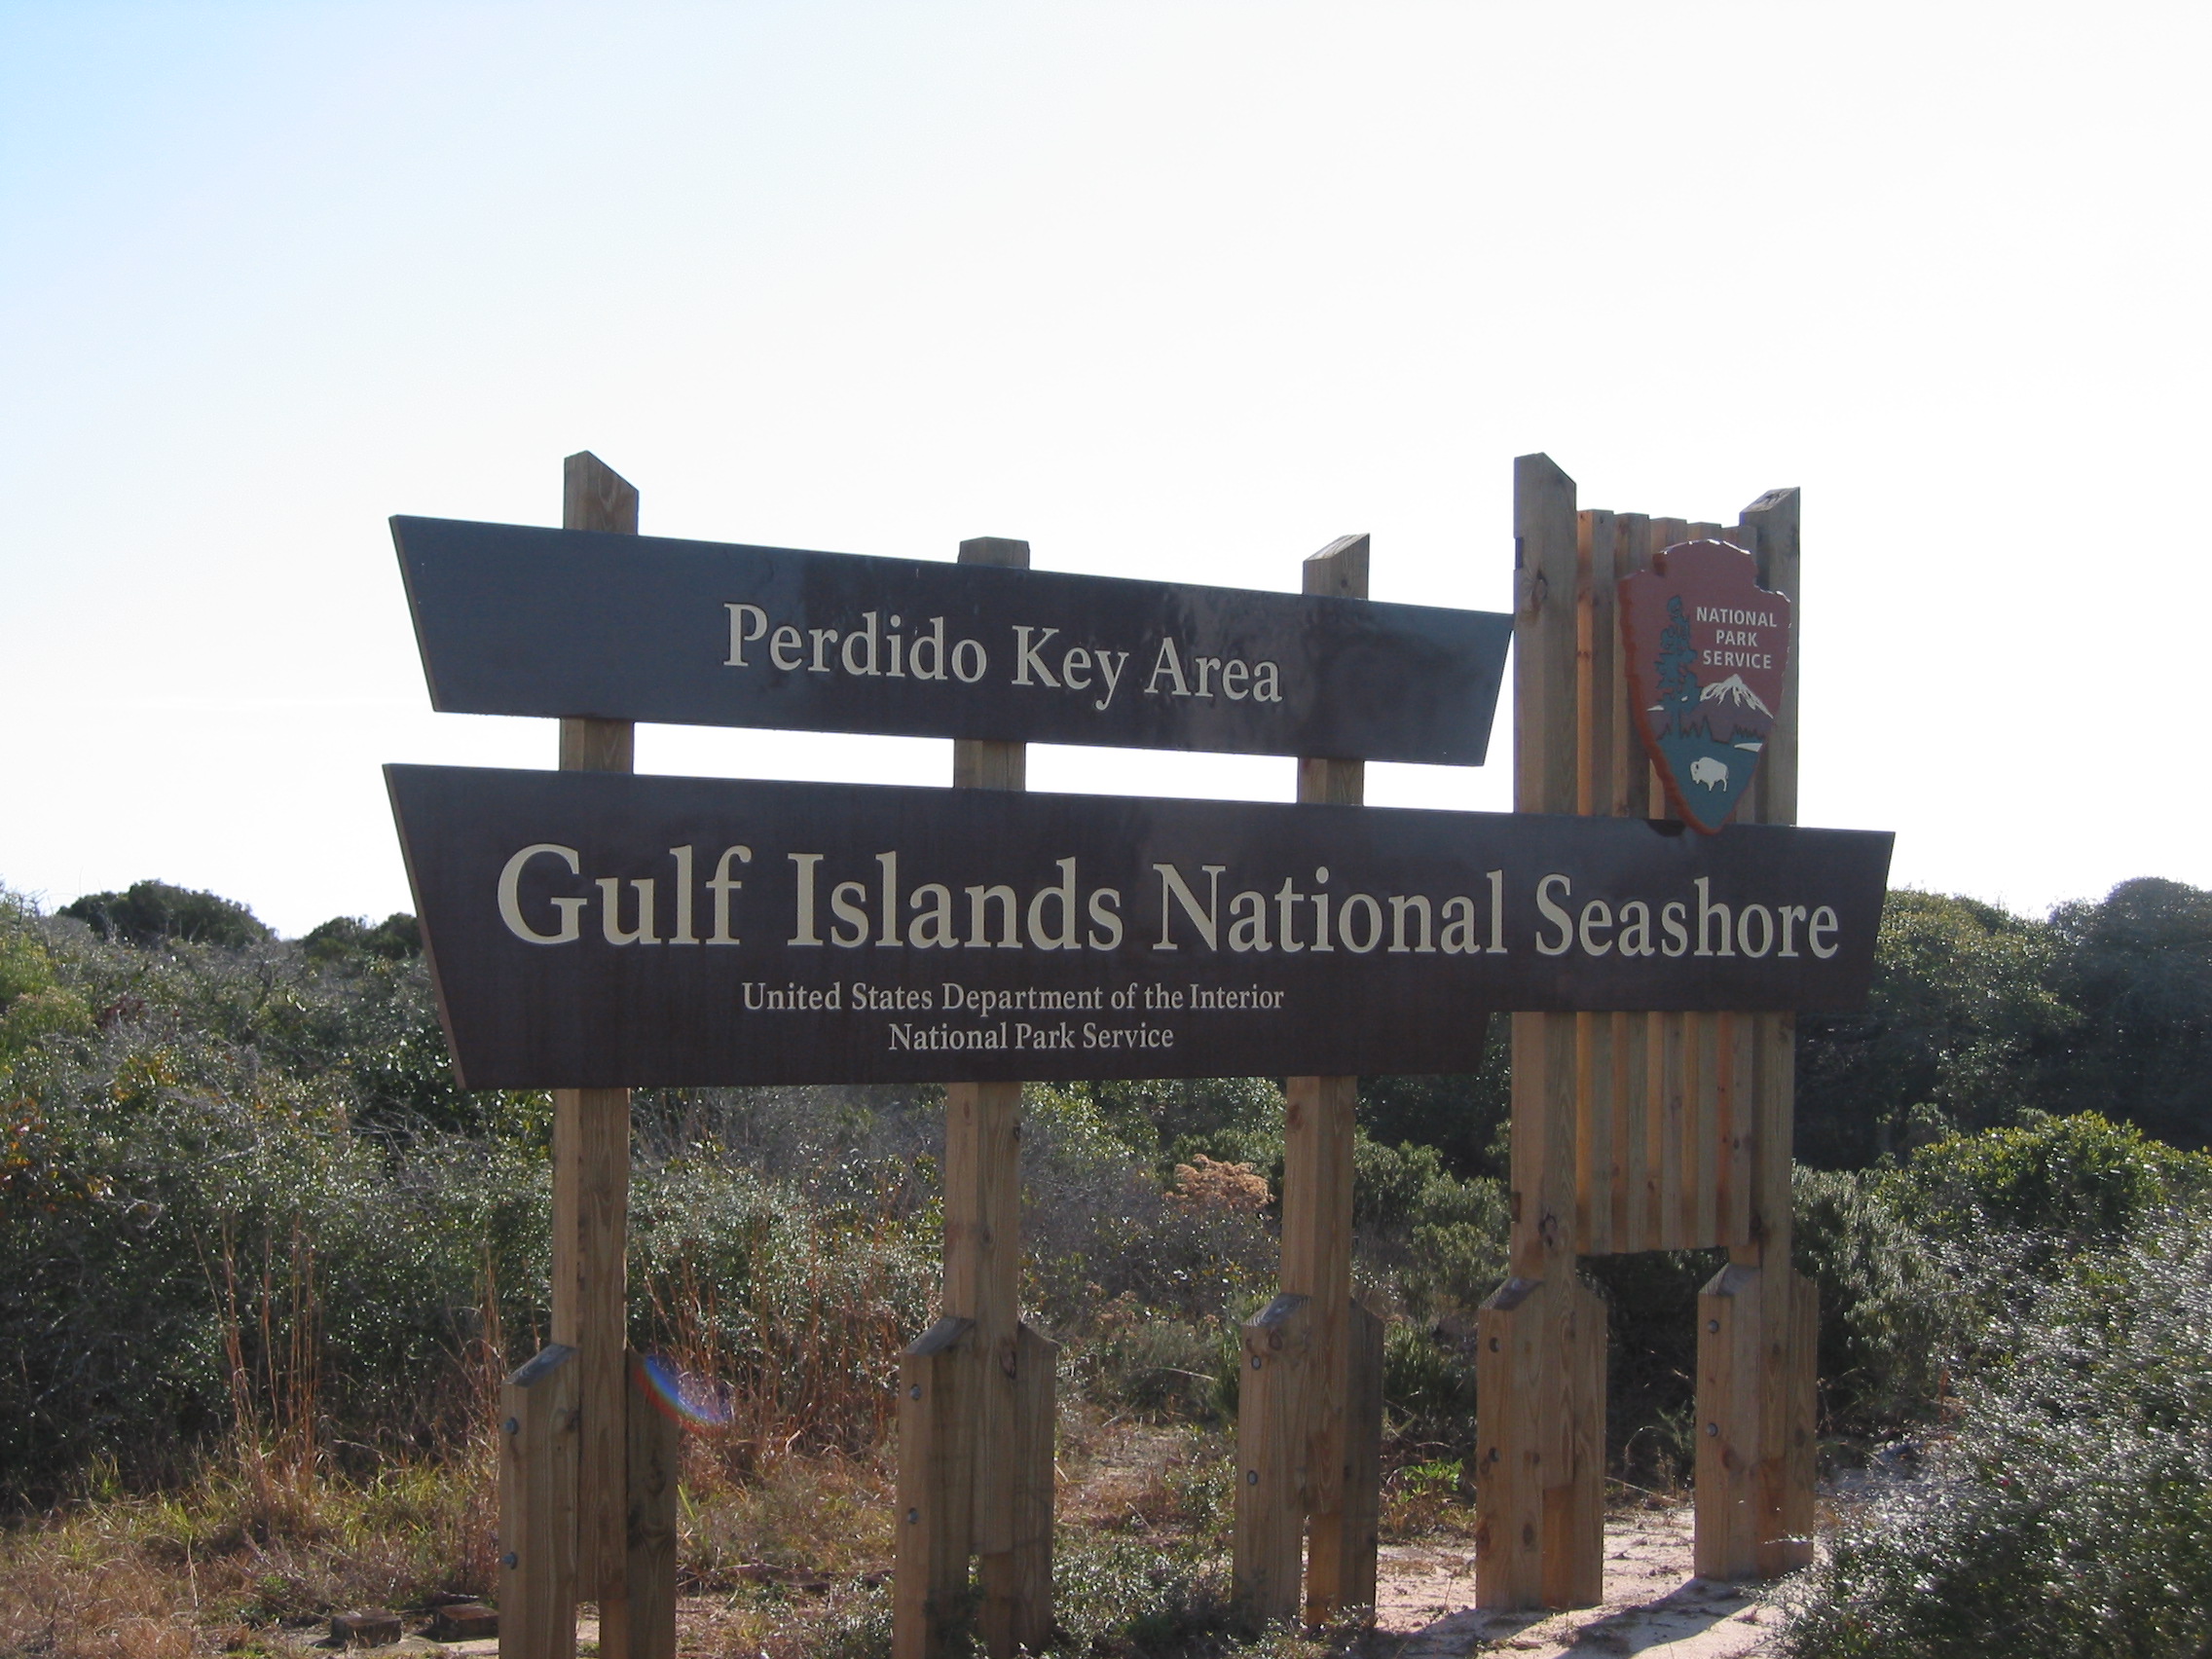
[{"x": 1654, "y": 1603}]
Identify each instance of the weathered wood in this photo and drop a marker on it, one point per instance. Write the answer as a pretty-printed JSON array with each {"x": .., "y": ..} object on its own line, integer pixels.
[
  {"x": 657, "y": 1449},
  {"x": 930, "y": 1605},
  {"x": 982, "y": 1270},
  {"x": 1758, "y": 1331},
  {"x": 1598, "y": 711},
  {"x": 1772, "y": 523},
  {"x": 1271, "y": 1446},
  {"x": 1509, "y": 1498},
  {"x": 591, "y": 1172},
  {"x": 1539, "y": 1470},
  {"x": 537, "y": 1507},
  {"x": 1341, "y": 1561},
  {"x": 1540, "y": 1376},
  {"x": 1017, "y": 1586},
  {"x": 1316, "y": 1200}
]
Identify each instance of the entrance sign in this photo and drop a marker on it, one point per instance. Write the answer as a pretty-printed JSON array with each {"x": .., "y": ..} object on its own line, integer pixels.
[
  {"x": 515, "y": 621},
  {"x": 606, "y": 929},
  {"x": 1707, "y": 652}
]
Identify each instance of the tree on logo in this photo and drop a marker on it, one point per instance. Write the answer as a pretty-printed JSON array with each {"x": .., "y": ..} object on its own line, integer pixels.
[{"x": 1677, "y": 667}]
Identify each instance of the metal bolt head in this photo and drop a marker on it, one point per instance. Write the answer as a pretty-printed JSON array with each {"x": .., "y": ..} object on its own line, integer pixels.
[
  {"x": 1255, "y": 1362},
  {"x": 512, "y": 1426},
  {"x": 913, "y": 1517},
  {"x": 510, "y": 1561},
  {"x": 915, "y": 1393},
  {"x": 1713, "y": 1428},
  {"x": 1713, "y": 1325},
  {"x": 1251, "y": 1477},
  {"x": 1493, "y": 1344}
]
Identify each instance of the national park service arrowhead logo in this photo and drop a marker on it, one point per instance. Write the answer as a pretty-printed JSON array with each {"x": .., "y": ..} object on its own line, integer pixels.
[{"x": 1706, "y": 647}]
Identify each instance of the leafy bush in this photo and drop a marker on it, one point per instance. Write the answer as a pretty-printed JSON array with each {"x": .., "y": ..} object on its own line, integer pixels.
[
  {"x": 153, "y": 912},
  {"x": 2070, "y": 1512}
]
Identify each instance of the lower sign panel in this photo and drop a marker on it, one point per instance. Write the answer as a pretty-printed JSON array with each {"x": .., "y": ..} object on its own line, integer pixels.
[{"x": 600, "y": 930}]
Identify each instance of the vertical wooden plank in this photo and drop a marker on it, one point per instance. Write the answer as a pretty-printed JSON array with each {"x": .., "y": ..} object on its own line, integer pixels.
[
  {"x": 1509, "y": 1493},
  {"x": 656, "y": 1455},
  {"x": 1022, "y": 1611},
  {"x": 983, "y": 1241},
  {"x": 1632, "y": 1208},
  {"x": 1702, "y": 1123},
  {"x": 1355, "y": 1572},
  {"x": 937, "y": 1461},
  {"x": 1632, "y": 769},
  {"x": 1270, "y": 1456},
  {"x": 1600, "y": 711},
  {"x": 1739, "y": 1130},
  {"x": 1575, "y": 1474},
  {"x": 1677, "y": 1084},
  {"x": 1795, "y": 1379},
  {"x": 591, "y": 1170},
  {"x": 1634, "y": 797},
  {"x": 1727, "y": 1443},
  {"x": 1595, "y": 1173},
  {"x": 1539, "y": 1526},
  {"x": 1317, "y": 1176},
  {"x": 537, "y": 1503},
  {"x": 1772, "y": 523}
]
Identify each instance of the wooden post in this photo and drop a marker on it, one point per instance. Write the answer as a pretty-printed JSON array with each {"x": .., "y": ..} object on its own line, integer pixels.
[
  {"x": 1540, "y": 1378},
  {"x": 1018, "y": 1604},
  {"x": 537, "y": 1503},
  {"x": 591, "y": 1178},
  {"x": 1307, "y": 1386},
  {"x": 1316, "y": 1191},
  {"x": 937, "y": 1463},
  {"x": 1757, "y": 1319},
  {"x": 998, "y": 1378},
  {"x": 1271, "y": 1449},
  {"x": 656, "y": 1446}
]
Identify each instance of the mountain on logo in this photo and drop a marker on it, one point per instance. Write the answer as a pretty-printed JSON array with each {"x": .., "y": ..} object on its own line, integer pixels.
[{"x": 1738, "y": 694}]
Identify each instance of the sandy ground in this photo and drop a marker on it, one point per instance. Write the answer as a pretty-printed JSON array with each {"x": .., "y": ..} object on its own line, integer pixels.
[{"x": 1653, "y": 1605}]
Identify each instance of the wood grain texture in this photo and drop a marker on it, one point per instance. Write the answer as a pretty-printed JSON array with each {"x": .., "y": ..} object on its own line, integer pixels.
[
  {"x": 537, "y": 1501},
  {"x": 1271, "y": 1457},
  {"x": 937, "y": 1461},
  {"x": 1541, "y": 1353},
  {"x": 1341, "y": 1546},
  {"x": 1016, "y": 1611},
  {"x": 982, "y": 1277},
  {"x": 655, "y": 1456},
  {"x": 1318, "y": 1195},
  {"x": 591, "y": 1167}
]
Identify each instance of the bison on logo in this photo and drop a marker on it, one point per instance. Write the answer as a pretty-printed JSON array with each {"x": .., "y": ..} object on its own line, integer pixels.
[{"x": 1707, "y": 649}]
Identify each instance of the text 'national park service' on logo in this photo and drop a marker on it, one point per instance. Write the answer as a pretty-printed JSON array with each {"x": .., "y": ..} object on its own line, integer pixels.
[{"x": 1707, "y": 649}]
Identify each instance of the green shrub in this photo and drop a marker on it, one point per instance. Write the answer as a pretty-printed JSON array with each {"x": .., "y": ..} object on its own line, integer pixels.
[
  {"x": 2070, "y": 1512},
  {"x": 153, "y": 912}
]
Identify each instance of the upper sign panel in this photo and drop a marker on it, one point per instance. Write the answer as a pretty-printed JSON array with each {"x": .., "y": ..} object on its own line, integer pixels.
[{"x": 515, "y": 621}]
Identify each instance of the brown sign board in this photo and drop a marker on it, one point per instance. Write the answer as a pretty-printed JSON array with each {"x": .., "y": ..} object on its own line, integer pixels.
[
  {"x": 515, "y": 621},
  {"x": 606, "y": 929}
]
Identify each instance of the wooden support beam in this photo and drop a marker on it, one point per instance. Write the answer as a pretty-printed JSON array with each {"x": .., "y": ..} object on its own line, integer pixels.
[
  {"x": 1271, "y": 1447},
  {"x": 1340, "y": 1568},
  {"x": 1018, "y": 1596},
  {"x": 1539, "y": 1478},
  {"x": 538, "y": 1500},
  {"x": 648, "y": 1618},
  {"x": 998, "y": 1380},
  {"x": 591, "y": 1179},
  {"x": 1316, "y": 1189},
  {"x": 931, "y": 1607},
  {"x": 1759, "y": 1321}
]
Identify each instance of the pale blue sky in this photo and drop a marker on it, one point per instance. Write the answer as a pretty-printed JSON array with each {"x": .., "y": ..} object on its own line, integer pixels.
[{"x": 1177, "y": 290}]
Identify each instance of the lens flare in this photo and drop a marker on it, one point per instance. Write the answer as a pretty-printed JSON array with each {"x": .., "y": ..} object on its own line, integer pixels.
[{"x": 697, "y": 1402}]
